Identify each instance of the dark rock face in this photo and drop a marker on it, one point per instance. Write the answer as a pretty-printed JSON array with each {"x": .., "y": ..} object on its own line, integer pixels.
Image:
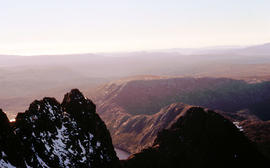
[
  {"x": 258, "y": 132},
  {"x": 10, "y": 147},
  {"x": 70, "y": 134},
  {"x": 199, "y": 138}
]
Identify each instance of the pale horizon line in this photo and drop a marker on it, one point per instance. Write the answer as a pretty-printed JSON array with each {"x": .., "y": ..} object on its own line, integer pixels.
[{"x": 213, "y": 47}]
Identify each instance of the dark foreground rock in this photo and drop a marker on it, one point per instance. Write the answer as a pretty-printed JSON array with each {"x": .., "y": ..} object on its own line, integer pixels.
[{"x": 50, "y": 134}]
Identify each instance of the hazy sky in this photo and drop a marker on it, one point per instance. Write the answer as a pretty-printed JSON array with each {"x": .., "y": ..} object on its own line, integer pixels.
[{"x": 81, "y": 26}]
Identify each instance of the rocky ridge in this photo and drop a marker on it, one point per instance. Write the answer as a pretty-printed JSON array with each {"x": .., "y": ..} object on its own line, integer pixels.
[{"x": 50, "y": 134}]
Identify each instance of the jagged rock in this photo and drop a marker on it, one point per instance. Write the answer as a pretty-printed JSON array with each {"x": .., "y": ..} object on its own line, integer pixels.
[
  {"x": 70, "y": 134},
  {"x": 10, "y": 147},
  {"x": 199, "y": 138}
]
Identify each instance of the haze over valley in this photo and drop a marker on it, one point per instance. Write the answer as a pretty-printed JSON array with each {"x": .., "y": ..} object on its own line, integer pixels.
[{"x": 26, "y": 78}]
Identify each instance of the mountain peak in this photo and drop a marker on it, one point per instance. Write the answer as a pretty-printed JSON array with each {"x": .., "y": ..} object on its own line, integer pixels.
[
  {"x": 73, "y": 95},
  {"x": 75, "y": 104},
  {"x": 3, "y": 117},
  {"x": 51, "y": 134}
]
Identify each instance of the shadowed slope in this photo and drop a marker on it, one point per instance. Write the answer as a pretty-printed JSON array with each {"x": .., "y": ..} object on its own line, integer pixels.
[{"x": 199, "y": 138}]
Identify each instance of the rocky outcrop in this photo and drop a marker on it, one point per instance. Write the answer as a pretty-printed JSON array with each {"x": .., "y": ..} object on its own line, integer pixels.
[
  {"x": 51, "y": 134},
  {"x": 11, "y": 153},
  {"x": 199, "y": 138}
]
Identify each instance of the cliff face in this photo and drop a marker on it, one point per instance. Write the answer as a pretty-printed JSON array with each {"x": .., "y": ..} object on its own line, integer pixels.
[
  {"x": 199, "y": 138},
  {"x": 142, "y": 128},
  {"x": 51, "y": 134},
  {"x": 137, "y": 97}
]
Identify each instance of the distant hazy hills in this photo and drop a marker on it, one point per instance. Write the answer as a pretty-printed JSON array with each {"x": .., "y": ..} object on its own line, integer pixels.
[
  {"x": 263, "y": 49},
  {"x": 153, "y": 58}
]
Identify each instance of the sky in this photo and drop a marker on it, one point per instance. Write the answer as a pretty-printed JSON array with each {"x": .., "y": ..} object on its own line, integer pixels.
[{"x": 30, "y": 27}]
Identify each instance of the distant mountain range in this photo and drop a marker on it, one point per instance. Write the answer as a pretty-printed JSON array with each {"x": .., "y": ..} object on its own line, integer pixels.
[
  {"x": 263, "y": 49},
  {"x": 255, "y": 52}
]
